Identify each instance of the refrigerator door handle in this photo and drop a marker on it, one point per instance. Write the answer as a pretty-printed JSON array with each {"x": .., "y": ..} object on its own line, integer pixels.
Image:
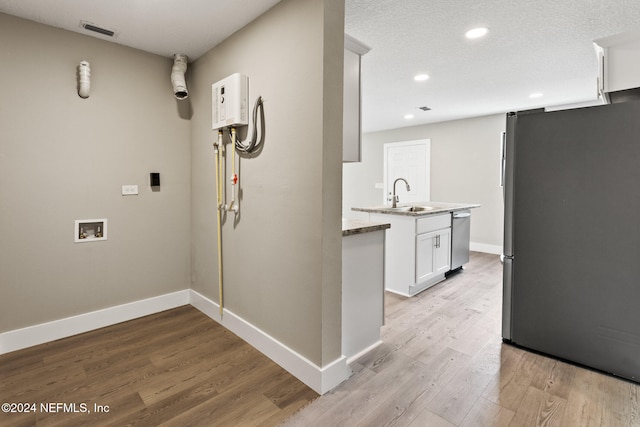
[
  {"x": 502, "y": 160},
  {"x": 507, "y": 286},
  {"x": 509, "y": 183}
]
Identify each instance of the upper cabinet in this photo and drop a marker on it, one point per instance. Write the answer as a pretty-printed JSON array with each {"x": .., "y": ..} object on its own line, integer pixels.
[
  {"x": 353, "y": 51},
  {"x": 619, "y": 66}
]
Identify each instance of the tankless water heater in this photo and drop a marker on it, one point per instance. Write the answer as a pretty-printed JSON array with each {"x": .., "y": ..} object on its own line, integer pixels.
[{"x": 229, "y": 98}]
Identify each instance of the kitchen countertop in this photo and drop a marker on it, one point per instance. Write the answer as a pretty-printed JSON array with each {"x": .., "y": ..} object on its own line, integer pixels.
[
  {"x": 433, "y": 208},
  {"x": 356, "y": 226}
]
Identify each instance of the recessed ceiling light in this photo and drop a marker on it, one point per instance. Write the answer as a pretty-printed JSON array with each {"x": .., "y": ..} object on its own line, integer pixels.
[
  {"x": 536, "y": 95},
  {"x": 408, "y": 116},
  {"x": 476, "y": 33},
  {"x": 421, "y": 77}
]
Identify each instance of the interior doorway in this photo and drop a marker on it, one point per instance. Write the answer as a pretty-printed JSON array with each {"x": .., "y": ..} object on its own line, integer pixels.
[{"x": 409, "y": 160}]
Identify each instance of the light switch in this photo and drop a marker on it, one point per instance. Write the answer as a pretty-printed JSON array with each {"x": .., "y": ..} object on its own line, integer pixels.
[
  {"x": 154, "y": 179},
  {"x": 129, "y": 190}
]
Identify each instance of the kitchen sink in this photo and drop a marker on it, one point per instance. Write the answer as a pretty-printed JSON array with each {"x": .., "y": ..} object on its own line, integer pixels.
[{"x": 411, "y": 208}]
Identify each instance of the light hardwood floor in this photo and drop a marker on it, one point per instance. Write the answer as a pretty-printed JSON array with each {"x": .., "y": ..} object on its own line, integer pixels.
[{"x": 443, "y": 364}]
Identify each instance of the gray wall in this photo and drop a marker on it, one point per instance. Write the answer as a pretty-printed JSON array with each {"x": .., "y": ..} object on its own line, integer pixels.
[
  {"x": 64, "y": 158},
  {"x": 282, "y": 258},
  {"x": 465, "y": 161}
]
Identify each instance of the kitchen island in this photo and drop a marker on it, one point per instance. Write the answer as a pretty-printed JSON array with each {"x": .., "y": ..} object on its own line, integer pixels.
[
  {"x": 363, "y": 248},
  {"x": 418, "y": 246},
  {"x": 419, "y": 209}
]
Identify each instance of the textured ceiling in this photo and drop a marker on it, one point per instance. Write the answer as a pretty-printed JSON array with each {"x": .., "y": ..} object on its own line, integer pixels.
[{"x": 532, "y": 46}]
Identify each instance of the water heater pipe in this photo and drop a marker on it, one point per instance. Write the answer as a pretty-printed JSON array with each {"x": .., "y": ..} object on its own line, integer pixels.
[
  {"x": 177, "y": 76},
  {"x": 218, "y": 147},
  {"x": 84, "y": 79},
  {"x": 233, "y": 206}
]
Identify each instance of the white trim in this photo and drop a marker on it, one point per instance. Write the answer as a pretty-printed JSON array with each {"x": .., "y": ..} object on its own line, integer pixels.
[
  {"x": 363, "y": 352},
  {"x": 62, "y": 328},
  {"x": 355, "y": 45},
  {"x": 321, "y": 380},
  {"x": 483, "y": 247}
]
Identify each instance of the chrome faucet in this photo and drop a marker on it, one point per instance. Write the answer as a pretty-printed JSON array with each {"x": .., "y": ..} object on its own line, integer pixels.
[{"x": 394, "y": 198}]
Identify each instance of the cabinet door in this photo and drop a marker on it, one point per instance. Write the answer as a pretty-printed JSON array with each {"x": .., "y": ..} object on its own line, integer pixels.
[
  {"x": 442, "y": 251},
  {"x": 425, "y": 246}
]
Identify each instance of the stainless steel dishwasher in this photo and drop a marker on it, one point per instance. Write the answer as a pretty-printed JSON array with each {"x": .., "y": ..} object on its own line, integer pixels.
[{"x": 460, "y": 234}]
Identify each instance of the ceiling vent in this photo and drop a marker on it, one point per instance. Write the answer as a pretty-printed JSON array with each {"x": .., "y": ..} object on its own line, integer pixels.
[
  {"x": 425, "y": 108},
  {"x": 92, "y": 27}
]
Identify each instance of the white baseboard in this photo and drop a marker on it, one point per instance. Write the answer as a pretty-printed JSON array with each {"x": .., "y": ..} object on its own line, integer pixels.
[
  {"x": 51, "y": 331},
  {"x": 363, "y": 352},
  {"x": 483, "y": 247},
  {"x": 321, "y": 380}
]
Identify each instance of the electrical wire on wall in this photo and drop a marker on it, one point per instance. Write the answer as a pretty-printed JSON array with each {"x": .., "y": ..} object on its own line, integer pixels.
[
  {"x": 254, "y": 145},
  {"x": 234, "y": 176}
]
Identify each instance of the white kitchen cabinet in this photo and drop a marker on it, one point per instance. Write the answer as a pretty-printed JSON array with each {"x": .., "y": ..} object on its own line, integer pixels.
[
  {"x": 417, "y": 251},
  {"x": 351, "y": 130},
  {"x": 362, "y": 286},
  {"x": 433, "y": 254},
  {"x": 618, "y": 65},
  {"x": 425, "y": 256},
  {"x": 443, "y": 251}
]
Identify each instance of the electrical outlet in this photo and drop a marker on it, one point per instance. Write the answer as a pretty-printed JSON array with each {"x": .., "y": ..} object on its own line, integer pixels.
[{"x": 129, "y": 190}]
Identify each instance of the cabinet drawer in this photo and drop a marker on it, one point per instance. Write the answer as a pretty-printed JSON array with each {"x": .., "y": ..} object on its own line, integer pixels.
[{"x": 432, "y": 223}]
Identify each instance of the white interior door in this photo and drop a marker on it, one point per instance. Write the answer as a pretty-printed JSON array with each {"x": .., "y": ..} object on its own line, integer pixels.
[{"x": 409, "y": 160}]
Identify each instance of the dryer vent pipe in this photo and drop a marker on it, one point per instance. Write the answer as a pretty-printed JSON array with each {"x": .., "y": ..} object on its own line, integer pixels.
[
  {"x": 177, "y": 76},
  {"x": 84, "y": 79}
]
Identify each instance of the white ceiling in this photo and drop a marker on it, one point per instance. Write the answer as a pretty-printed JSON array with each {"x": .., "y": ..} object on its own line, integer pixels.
[
  {"x": 163, "y": 27},
  {"x": 532, "y": 46}
]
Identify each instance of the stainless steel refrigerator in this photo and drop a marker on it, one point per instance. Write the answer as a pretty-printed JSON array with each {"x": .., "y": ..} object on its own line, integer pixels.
[{"x": 572, "y": 235}]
